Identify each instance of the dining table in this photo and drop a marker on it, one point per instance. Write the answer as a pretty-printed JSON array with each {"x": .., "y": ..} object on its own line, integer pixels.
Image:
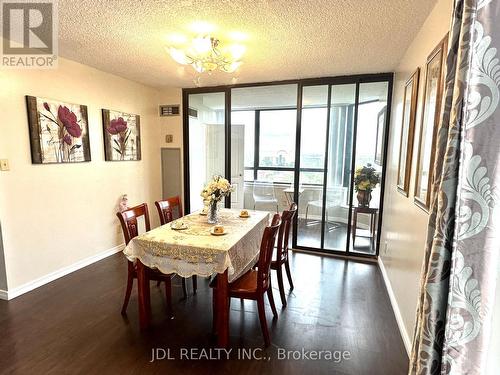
[{"x": 188, "y": 246}]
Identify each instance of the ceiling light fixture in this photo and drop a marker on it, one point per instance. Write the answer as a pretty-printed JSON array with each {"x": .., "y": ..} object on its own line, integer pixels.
[{"x": 205, "y": 54}]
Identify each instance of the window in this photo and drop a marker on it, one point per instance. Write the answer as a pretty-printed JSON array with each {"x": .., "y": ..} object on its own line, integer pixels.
[
  {"x": 277, "y": 138},
  {"x": 285, "y": 177}
]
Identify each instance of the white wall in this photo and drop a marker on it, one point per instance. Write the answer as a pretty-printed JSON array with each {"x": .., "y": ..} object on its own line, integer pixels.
[
  {"x": 404, "y": 224},
  {"x": 54, "y": 216}
]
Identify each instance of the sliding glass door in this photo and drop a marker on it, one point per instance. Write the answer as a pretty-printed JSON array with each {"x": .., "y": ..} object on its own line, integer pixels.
[
  {"x": 207, "y": 143},
  {"x": 310, "y": 142},
  {"x": 263, "y": 131}
]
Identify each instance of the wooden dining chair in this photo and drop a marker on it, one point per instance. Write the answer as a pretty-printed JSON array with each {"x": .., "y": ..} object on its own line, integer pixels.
[
  {"x": 253, "y": 284},
  {"x": 282, "y": 250},
  {"x": 166, "y": 211},
  {"x": 128, "y": 221}
]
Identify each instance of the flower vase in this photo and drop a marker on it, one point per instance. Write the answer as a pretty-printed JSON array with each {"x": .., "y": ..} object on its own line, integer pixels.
[
  {"x": 212, "y": 216},
  {"x": 364, "y": 198}
]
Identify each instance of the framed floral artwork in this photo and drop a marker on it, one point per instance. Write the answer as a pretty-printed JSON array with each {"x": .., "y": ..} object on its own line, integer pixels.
[
  {"x": 122, "y": 135},
  {"x": 433, "y": 90},
  {"x": 58, "y": 131},
  {"x": 407, "y": 132}
]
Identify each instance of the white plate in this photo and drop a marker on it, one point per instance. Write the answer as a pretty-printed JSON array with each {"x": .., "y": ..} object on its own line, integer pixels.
[
  {"x": 179, "y": 228},
  {"x": 217, "y": 234}
]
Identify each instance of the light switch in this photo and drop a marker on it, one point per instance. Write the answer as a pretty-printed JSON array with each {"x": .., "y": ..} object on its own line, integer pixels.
[
  {"x": 169, "y": 138},
  {"x": 4, "y": 165}
]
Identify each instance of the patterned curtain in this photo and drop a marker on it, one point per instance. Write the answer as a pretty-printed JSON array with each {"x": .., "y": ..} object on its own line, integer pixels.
[{"x": 463, "y": 241}]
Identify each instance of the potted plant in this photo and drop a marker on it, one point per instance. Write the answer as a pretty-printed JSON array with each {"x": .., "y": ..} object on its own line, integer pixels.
[
  {"x": 213, "y": 192},
  {"x": 366, "y": 178}
]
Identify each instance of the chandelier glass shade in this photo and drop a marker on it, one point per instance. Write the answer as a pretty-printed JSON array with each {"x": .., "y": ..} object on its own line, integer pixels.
[{"x": 205, "y": 54}]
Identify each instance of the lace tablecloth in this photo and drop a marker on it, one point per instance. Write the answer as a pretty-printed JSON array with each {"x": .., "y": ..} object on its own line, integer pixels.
[{"x": 194, "y": 251}]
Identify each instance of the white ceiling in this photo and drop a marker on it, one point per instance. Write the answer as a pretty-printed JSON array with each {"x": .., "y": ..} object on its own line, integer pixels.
[{"x": 286, "y": 39}]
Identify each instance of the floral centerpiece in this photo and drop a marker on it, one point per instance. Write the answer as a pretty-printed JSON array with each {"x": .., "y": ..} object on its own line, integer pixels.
[
  {"x": 217, "y": 189},
  {"x": 366, "y": 179}
]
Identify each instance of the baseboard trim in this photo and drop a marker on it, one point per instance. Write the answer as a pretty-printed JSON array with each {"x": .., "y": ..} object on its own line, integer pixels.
[
  {"x": 31, "y": 285},
  {"x": 395, "y": 308}
]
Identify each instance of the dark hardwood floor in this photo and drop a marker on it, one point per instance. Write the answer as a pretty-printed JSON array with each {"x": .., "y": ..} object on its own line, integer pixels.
[{"x": 73, "y": 325}]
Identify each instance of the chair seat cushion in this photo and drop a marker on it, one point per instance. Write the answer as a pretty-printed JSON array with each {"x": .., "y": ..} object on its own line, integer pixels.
[{"x": 246, "y": 284}]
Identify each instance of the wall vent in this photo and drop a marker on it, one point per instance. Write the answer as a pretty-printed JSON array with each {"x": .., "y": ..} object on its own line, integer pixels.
[{"x": 169, "y": 110}]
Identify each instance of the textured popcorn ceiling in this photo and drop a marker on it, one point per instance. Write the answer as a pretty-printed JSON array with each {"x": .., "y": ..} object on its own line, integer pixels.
[{"x": 287, "y": 39}]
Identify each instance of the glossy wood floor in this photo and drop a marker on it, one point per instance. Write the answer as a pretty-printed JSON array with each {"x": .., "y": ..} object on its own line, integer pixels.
[{"x": 73, "y": 325}]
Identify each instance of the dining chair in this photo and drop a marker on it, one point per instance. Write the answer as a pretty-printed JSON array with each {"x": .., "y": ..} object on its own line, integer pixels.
[
  {"x": 282, "y": 250},
  {"x": 128, "y": 221},
  {"x": 263, "y": 193},
  {"x": 255, "y": 283},
  {"x": 166, "y": 211}
]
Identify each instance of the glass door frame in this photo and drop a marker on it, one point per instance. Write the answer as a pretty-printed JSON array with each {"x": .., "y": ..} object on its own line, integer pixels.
[{"x": 301, "y": 83}]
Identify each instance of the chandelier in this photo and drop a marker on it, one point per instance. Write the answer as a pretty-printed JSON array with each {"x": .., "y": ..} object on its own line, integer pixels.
[{"x": 205, "y": 54}]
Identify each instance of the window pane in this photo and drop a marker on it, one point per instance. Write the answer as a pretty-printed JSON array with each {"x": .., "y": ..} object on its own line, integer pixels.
[
  {"x": 275, "y": 176},
  {"x": 277, "y": 138},
  {"x": 313, "y": 133},
  {"x": 370, "y": 129}
]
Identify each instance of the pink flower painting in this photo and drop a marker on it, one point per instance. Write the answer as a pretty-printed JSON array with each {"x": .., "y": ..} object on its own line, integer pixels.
[
  {"x": 121, "y": 135},
  {"x": 62, "y": 128}
]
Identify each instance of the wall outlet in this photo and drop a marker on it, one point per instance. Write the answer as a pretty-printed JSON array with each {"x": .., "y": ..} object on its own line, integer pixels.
[
  {"x": 169, "y": 138},
  {"x": 4, "y": 165}
]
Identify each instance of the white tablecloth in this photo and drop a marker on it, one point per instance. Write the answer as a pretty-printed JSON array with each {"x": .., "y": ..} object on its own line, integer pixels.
[{"x": 194, "y": 251}]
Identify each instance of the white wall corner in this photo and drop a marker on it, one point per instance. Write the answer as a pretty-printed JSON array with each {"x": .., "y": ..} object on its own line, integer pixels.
[
  {"x": 31, "y": 285},
  {"x": 395, "y": 307}
]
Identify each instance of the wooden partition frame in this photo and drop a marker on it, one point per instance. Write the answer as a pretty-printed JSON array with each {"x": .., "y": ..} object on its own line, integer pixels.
[
  {"x": 407, "y": 144},
  {"x": 438, "y": 52}
]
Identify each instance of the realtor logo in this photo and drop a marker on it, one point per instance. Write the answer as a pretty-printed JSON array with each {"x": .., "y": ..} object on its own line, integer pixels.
[{"x": 29, "y": 33}]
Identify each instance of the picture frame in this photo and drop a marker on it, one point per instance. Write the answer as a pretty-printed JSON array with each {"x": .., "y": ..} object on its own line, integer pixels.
[
  {"x": 379, "y": 146},
  {"x": 410, "y": 99},
  {"x": 431, "y": 111},
  {"x": 122, "y": 135},
  {"x": 58, "y": 131}
]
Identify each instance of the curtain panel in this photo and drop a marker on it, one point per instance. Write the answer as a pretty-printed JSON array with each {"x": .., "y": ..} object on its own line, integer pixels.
[{"x": 459, "y": 272}]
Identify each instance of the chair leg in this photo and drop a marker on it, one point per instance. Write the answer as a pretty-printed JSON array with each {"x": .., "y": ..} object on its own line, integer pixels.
[
  {"x": 168, "y": 295},
  {"x": 271, "y": 301},
  {"x": 184, "y": 291},
  {"x": 277, "y": 209},
  {"x": 307, "y": 210},
  {"x": 262, "y": 318},
  {"x": 279, "y": 274},
  {"x": 195, "y": 284},
  {"x": 130, "y": 284},
  {"x": 288, "y": 274}
]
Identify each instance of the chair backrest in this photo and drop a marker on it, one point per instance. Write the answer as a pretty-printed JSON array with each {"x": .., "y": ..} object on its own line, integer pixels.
[
  {"x": 128, "y": 220},
  {"x": 266, "y": 252},
  {"x": 263, "y": 190},
  {"x": 284, "y": 232},
  {"x": 166, "y": 209}
]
